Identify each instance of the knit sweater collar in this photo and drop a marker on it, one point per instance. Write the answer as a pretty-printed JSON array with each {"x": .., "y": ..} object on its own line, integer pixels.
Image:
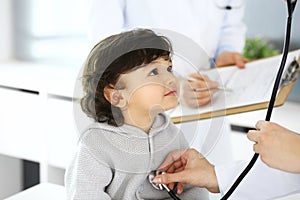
[{"x": 160, "y": 123}]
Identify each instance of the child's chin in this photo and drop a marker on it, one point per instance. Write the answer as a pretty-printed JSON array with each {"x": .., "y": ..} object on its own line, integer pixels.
[{"x": 171, "y": 105}]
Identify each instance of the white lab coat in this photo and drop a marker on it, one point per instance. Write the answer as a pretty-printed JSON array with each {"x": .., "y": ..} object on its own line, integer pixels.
[
  {"x": 262, "y": 182},
  {"x": 213, "y": 28},
  {"x": 204, "y": 21}
]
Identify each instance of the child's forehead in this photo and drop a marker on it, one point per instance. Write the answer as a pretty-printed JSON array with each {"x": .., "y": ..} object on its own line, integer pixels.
[
  {"x": 159, "y": 62},
  {"x": 139, "y": 72}
]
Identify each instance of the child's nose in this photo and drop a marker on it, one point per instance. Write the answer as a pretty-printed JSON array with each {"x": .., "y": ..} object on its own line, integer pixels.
[{"x": 170, "y": 79}]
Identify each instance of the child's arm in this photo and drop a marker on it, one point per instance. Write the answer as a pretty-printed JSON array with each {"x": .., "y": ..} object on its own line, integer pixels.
[{"x": 87, "y": 178}]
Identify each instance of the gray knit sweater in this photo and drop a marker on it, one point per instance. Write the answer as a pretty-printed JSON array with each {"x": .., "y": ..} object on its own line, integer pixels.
[{"x": 114, "y": 162}]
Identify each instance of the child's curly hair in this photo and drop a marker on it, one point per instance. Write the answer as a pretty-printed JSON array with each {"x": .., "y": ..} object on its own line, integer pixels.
[{"x": 111, "y": 57}]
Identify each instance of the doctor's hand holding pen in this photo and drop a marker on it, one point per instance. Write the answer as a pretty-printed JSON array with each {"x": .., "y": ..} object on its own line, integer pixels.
[
  {"x": 198, "y": 90},
  {"x": 278, "y": 147}
]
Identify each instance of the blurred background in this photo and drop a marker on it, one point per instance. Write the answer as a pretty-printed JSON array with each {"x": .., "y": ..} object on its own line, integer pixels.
[{"x": 50, "y": 36}]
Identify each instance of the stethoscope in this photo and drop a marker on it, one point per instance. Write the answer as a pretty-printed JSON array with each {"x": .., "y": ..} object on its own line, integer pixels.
[{"x": 290, "y": 6}]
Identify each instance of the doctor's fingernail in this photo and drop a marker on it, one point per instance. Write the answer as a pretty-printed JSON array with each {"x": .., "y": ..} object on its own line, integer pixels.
[{"x": 157, "y": 180}]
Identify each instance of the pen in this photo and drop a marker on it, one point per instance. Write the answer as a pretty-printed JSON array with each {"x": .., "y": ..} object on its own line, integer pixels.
[{"x": 225, "y": 89}]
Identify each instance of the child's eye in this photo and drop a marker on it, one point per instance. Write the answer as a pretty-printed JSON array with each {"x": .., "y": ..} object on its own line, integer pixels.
[
  {"x": 153, "y": 72},
  {"x": 170, "y": 69}
]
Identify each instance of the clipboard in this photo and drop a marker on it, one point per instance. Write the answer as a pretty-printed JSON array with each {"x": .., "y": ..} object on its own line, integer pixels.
[{"x": 288, "y": 81}]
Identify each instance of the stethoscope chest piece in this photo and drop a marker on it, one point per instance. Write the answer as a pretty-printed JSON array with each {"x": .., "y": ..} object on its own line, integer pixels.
[
  {"x": 161, "y": 187},
  {"x": 151, "y": 176}
]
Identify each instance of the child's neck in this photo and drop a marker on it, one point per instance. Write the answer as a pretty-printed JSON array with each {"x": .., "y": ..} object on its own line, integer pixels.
[{"x": 140, "y": 120}]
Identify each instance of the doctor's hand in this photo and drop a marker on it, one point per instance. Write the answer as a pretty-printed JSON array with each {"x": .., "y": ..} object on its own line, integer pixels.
[
  {"x": 198, "y": 92},
  {"x": 278, "y": 147},
  {"x": 226, "y": 58},
  {"x": 188, "y": 166}
]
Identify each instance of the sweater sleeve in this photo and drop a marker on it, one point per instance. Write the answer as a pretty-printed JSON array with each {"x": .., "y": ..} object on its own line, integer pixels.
[{"x": 87, "y": 177}]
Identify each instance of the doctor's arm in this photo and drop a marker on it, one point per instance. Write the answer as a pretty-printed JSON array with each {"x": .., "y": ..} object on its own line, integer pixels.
[
  {"x": 278, "y": 147},
  {"x": 262, "y": 182}
]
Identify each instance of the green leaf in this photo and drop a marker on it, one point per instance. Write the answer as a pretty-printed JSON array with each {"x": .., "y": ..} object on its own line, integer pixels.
[{"x": 256, "y": 48}]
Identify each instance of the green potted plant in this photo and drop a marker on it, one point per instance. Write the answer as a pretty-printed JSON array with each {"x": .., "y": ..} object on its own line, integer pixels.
[{"x": 256, "y": 48}]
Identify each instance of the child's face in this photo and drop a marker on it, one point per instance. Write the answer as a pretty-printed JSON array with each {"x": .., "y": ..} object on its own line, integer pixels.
[{"x": 151, "y": 88}]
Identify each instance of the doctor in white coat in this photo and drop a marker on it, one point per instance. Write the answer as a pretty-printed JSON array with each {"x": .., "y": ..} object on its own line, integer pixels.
[{"x": 215, "y": 25}]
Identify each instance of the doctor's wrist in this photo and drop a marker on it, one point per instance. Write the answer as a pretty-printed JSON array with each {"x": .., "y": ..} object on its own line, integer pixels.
[{"x": 212, "y": 184}]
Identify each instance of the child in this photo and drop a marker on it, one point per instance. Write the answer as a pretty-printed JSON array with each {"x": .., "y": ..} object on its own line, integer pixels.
[{"x": 128, "y": 84}]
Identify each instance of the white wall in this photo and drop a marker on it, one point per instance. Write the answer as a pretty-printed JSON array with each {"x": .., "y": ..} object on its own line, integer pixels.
[
  {"x": 6, "y": 34},
  {"x": 267, "y": 18},
  {"x": 10, "y": 168}
]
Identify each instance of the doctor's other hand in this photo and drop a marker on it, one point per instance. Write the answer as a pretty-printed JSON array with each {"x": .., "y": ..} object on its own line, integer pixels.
[
  {"x": 198, "y": 91},
  {"x": 278, "y": 147},
  {"x": 188, "y": 166},
  {"x": 226, "y": 58}
]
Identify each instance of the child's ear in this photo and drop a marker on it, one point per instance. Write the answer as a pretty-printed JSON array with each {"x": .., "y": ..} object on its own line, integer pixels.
[{"x": 115, "y": 97}]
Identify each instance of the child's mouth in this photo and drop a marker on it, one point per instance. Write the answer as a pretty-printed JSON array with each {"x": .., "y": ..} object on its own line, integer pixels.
[{"x": 171, "y": 93}]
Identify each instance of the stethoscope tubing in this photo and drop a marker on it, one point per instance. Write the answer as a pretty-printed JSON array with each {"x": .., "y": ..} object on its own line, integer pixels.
[
  {"x": 173, "y": 195},
  {"x": 291, "y": 7}
]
